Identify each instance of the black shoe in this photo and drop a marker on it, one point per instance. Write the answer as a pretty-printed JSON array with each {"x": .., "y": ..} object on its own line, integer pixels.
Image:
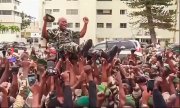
[
  {"x": 86, "y": 47},
  {"x": 49, "y": 18},
  {"x": 112, "y": 53}
]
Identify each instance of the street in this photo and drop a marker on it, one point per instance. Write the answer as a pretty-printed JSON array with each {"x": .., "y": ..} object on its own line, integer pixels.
[{"x": 28, "y": 49}]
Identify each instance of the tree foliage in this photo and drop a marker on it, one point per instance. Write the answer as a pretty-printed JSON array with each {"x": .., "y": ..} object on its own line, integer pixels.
[
  {"x": 12, "y": 28},
  {"x": 153, "y": 14},
  {"x": 26, "y": 21}
]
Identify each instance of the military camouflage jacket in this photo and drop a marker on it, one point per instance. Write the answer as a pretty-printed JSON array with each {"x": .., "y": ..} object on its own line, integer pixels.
[{"x": 56, "y": 36}]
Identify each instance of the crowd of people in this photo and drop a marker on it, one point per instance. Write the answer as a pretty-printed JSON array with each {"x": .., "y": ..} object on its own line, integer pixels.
[{"x": 72, "y": 77}]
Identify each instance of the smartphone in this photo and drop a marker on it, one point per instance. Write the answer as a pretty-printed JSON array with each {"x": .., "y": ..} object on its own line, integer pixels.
[
  {"x": 150, "y": 85},
  {"x": 31, "y": 79},
  {"x": 12, "y": 59},
  {"x": 15, "y": 69},
  {"x": 50, "y": 68}
]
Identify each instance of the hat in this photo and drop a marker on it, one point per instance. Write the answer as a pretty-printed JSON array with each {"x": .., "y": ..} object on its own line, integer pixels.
[
  {"x": 82, "y": 101},
  {"x": 133, "y": 49},
  {"x": 130, "y": 101},
  {"x": 101, "y": 88},
  {"x": 176, "y": 80},
  {"x": 49, "y": 18}
]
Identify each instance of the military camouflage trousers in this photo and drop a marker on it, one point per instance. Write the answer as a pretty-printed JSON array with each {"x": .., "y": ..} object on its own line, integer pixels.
[{"x": 70, "y": 47}]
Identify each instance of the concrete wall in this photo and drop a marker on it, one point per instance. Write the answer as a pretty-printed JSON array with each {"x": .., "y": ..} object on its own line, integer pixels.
[{"x": 88, "y": 8}]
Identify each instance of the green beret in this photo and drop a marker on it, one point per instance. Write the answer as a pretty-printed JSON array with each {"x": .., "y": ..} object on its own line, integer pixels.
[{"x": 130, "y": 101}]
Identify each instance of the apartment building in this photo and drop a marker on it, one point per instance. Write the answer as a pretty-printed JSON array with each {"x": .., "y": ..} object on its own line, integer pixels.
[
  {"x": 10, "y": 15},
  {"x": 108, "y": 19},
  {"x": 32, "y": 28}
]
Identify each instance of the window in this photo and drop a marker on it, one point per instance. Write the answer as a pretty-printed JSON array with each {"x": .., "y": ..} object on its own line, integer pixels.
[
  {"x": 55, "y": 10},
  {"x": 122, "y": 12},
  {"x": 77, "y": 25},
  {"x": 49, "y": 24},
  {"x": 104, "y": 0},
  {"x": 108, "y": 25},
  {"x": 54, "y": 23},
  {"x": 100, "y": 25},
  {"x": 72, "y": 12},
  {"x": 104, "y": 12},
  {"x": 17, "y": 13},
  {"x": 70, "y": 25},
  {"x": 48, "y": 11},
  {"x": 100, "y": 46},
  {"x": 5, "y": 12},
  {"x": 123, "y": 25},
  {"x": 100, "y": 39},
  {"x": 5, "y": 1}
]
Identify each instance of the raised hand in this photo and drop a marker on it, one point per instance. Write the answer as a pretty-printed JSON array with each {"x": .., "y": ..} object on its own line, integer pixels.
[
  {"x": 157, "y": 82},
  {"x": 4, "y": 88},
  {"x": 65, "y": 76},
  {"x": 86, "y": 20}
]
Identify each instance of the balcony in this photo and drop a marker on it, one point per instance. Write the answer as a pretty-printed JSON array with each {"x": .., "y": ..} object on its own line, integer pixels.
[{"x": 10, "y": 19}]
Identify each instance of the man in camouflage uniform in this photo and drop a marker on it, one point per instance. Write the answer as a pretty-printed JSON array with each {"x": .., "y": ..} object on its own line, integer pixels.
[{"x": 62, "y": 38}]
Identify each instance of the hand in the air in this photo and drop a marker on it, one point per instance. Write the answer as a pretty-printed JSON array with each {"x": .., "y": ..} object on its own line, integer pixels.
[{"x": 86, "y": 20}]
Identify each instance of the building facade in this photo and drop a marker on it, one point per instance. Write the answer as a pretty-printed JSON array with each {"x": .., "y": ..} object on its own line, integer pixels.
[
  {"x": 108, "y": 19},
  {"x": 10, "y": 15}
]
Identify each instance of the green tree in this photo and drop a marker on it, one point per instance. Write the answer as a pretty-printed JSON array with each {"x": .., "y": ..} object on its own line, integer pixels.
[
  {"x": 153, "y": 14},
  {"x": 4, "y": 28},
  {"x": 14, "y": 28},
  {"x": 0, "y": 28},
  {"x": 26, "y": 21}
]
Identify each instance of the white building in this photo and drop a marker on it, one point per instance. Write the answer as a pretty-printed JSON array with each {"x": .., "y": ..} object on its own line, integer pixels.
[
  {"x": 10, "y": 15},
  {"x": 108, "y": 19}
]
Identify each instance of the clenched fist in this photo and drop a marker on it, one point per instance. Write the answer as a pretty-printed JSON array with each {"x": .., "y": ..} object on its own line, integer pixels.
[{"x": 86, "y": 20}]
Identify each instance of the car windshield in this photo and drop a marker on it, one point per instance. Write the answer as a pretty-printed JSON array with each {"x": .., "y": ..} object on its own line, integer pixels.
[
  {"x": 126, "y": 44},
  {"x": 100, "y": 46}
]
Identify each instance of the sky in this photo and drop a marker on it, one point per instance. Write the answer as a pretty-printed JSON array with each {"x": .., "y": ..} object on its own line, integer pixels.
[{"x": 30, "y": 7}]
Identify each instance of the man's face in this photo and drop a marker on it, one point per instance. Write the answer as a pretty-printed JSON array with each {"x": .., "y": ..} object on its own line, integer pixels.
[
  {"x": 63, "y": 23},
  {"x": 153, "y": 60}
]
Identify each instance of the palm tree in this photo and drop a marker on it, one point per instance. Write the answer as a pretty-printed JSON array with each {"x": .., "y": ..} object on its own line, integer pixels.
[
  {"x": 0, "y": 28},
  {"x": 14, "y": 29},
  {"x": 3, "y": 28}
]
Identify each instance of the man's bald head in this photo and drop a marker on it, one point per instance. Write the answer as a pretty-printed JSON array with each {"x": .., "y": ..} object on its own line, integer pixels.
[
  {"x": 61, "y": 19},
  {"x": 62, "y": 22}
]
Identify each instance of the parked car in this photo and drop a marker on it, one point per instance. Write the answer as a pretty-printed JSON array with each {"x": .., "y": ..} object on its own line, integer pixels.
[
  {"x": 19, "y": 45},
  {"x": 105, "y": 45},
  {"x": 137, "y": 44},
  {"x": 175, "y": 47},
  {"x": 126, "y": 45},
  {"x": 1, "y": 46}
]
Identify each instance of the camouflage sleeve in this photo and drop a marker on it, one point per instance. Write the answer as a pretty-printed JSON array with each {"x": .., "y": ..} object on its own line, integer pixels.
[{"x": 51, "y": 34}]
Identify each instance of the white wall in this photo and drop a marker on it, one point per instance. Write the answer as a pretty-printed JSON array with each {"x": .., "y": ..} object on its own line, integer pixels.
[
  {"x": 10, "y": 38},
  {"x": 88, "y": 8}
]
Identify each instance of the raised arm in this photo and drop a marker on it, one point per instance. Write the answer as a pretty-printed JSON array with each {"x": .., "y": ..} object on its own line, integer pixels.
[
  {"x": 84, "y": 29},
  {"x": 44, "y": 30}
]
